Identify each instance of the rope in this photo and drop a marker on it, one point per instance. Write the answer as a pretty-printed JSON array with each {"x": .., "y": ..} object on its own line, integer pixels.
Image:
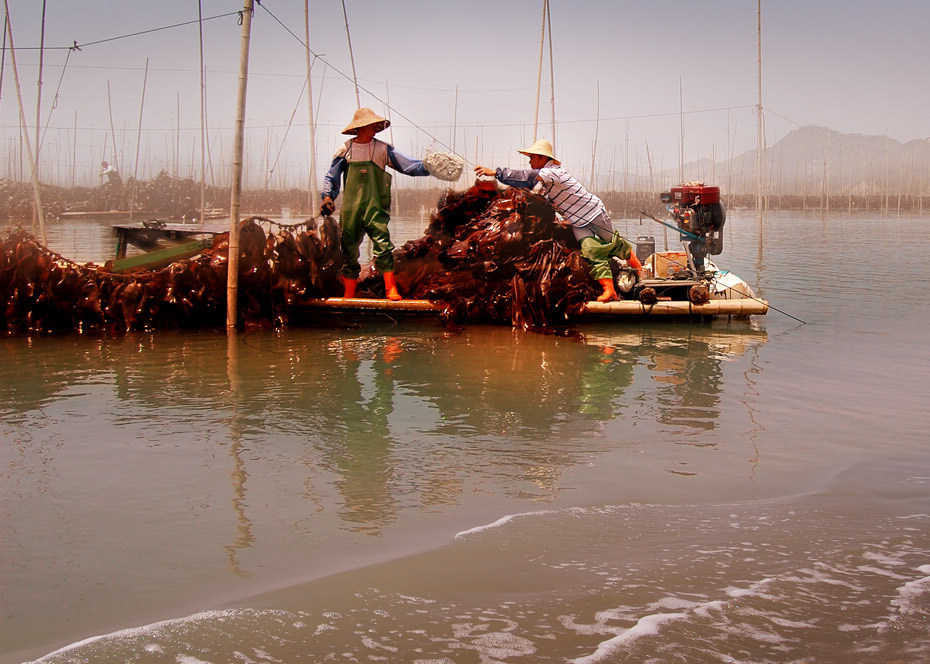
[
  {"x": 366, "y": 90},
  {"x": 83, "y": 268},
  {"x": 742, "y": 294},
  {"x": 54, "y": 105},
  {"x": 290, "y": 122}
]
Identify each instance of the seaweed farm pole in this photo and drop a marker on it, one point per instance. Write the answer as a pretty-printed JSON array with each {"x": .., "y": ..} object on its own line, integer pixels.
[
  {"x": 311, "y": 189},
  {"x": 203, "y": 120},
  {"x": 760, "y": 164},
  {"x": 597, "y": 123},
  {"x": 542, "y": 41},
  {"x": 35, "y": 212},
  {"x": 345, "y": 15},
  {"x": 551, "y": 72},
  {"x": 177, "y": 140},
  {"x": 74, "y": 150},
  {"x": 23, "y": 128},
  {"x": 135, "y": 169},
  {"x": 232, "y": 276},
  {"x": 3, "y": 55},
  {"x": 116, "y": 164}
]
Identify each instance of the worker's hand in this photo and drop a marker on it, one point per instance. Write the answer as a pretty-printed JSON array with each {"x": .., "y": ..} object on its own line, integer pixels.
[
  {"x": 328, "y": 207},
  {"x": 484, "y": 170}
]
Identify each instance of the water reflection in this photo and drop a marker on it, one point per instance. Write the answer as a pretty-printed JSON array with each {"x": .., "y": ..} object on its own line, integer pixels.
[
  {"x": 361, "y": 449},
  {"x": 372, "y": 422},
  {"x": 686, "y": 368},
  {"x": 238, "y": 475}
]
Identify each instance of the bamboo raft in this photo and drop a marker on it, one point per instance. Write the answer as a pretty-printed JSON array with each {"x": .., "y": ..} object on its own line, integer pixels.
[{"x": 593, "y": 310}]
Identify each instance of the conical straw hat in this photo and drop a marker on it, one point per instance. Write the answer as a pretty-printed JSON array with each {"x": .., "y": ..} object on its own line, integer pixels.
[
  {"x": 364, "y": 117},
  {"x": 543, "y": 147}
]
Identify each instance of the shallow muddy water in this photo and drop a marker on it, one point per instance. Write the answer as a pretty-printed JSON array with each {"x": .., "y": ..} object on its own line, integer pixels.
[{"x": 640, "y": 492}]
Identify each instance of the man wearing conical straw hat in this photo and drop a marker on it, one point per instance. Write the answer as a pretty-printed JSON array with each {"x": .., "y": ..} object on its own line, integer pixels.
[
  {"x": 586, "y": 212},
  {"x": 366, "y": 205}
]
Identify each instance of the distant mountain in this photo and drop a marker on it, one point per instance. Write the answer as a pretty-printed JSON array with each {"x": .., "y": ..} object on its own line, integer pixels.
[{"x": 812, "y": 160}]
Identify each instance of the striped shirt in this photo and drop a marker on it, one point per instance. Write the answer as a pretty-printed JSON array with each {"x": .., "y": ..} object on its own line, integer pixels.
[{"x": 560, "y": 188}]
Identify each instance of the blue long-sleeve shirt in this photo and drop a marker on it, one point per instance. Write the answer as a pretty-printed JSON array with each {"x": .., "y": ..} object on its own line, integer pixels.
[
  {"x": 520, "y": 178},
  {"x": 381, "y": 153}
]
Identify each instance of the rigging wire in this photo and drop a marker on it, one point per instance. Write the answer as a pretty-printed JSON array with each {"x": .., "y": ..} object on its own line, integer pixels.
[
  {"x": 286, "y": 131},
  {"x": 77, "y": 46},
  {"x": 54, "y": 105},
  {"x": 362, "y": 88}
]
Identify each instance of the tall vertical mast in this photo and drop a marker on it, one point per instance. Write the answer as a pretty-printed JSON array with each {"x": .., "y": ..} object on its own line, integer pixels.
[
  {"x": 35, "y": 211},
  {"x": 203, "y": 121},
  {"x": 311, "y": 189},
  {"x": 759, "y": 157},
  {"x": 358, "y": 99},
  {"x": 232, "y": 277},
  {"x": 25, "y": 129},
  {"x": 551, "y": 72},
  {"x": 542, "y": 41}
]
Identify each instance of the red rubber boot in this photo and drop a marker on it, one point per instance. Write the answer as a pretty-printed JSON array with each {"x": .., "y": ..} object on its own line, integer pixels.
[
  {"x": 390, "y": 287},
  {"x": 609, "y": 292}
]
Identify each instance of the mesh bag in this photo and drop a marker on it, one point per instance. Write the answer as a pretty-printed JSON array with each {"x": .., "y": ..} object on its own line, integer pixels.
[{"x": 444, "y": 165}]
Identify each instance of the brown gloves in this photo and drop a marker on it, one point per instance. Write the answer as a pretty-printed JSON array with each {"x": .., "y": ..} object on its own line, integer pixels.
[{"x": 328, "y": 207}]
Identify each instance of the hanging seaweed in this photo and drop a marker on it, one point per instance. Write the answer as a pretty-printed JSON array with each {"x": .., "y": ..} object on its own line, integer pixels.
[{"x": 486, "y": 256}]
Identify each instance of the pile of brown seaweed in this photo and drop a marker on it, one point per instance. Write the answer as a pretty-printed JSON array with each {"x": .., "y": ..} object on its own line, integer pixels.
[
  {"x": 496, "y": 258},
  {"x": 490, "y": 257}
]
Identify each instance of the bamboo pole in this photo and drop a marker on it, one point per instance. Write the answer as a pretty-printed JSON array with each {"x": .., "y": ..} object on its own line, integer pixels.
[
  {"x": 597, "y": 123},
  {"x": 177, "y": 139},
  {"x": 3, "y": 63},
  {"x": 232, "y": 277},
  {"x": 345, "y": 15},
  {"x": 759, "y": 162},
  {"x": 542, "y": 41},
  {"x": 135, "y": 169},
  {"x": 35, "y": 212},
  {"x": 455, "y": 116},
  {"x": 681, "y": 134},
  {"x": 116, "y": 163},
  {"x": 551, "y": 72},
  {"x": 74, "y": 151},
  {"x": 24, "y": 128},
  {"x": 311, "y": 184},
  {"x": 203, "y": 121}
]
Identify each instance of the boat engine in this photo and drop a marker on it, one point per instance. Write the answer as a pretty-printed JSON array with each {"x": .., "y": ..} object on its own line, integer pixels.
[{"x": 699, "y": 215}]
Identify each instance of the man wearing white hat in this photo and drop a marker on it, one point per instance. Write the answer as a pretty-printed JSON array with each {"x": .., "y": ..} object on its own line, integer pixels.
[
  {"x": 586, "y": 212},
  {"x": 366, "y": 205}
]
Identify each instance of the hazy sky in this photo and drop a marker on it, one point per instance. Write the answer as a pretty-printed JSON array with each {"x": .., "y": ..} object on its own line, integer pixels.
[{"x": 628, "y": 75}]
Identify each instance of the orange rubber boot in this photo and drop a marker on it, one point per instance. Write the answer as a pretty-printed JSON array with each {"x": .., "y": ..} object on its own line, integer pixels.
[
  {"x": 350, "y": 285},
  {"x": 609, "y": 292},
  {"x": 390, "y": 287},
  {"x": 633, "y": 260}
]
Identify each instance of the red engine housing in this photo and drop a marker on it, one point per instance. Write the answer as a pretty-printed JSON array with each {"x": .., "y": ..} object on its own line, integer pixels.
[{"x": 688, "y": 195}]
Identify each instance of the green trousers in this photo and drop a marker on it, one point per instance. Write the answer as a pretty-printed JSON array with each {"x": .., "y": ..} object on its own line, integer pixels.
[
  {"x": 366, "y": 206},
  {"x": 598, "y": 253}
]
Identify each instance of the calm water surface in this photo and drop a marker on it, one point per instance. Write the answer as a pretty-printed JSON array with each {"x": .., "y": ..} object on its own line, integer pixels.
[{"x": 646, "y": 492}]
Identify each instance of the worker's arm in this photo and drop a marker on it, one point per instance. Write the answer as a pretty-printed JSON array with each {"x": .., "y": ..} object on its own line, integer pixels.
[
  {"x": 406, "y": 165},
  {"x": 519, "y": 178},
  {"x": 332, "y": 181}
]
